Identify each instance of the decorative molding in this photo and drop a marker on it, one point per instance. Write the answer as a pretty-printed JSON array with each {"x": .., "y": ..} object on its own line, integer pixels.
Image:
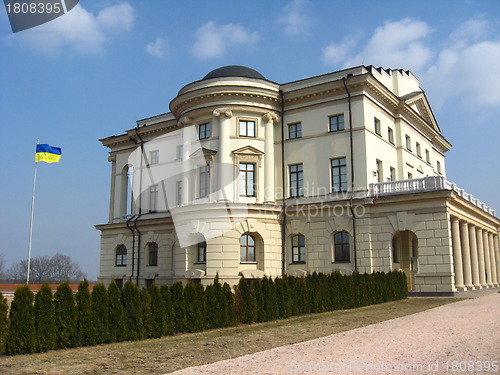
[
  {"x": 223, "y": 111},
  {"x": 185, "y": 120},
  {"x": 270, "y": 117}
]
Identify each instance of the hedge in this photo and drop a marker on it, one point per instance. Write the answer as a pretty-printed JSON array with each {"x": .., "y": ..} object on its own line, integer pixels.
[{"x": 111, "y": 315}]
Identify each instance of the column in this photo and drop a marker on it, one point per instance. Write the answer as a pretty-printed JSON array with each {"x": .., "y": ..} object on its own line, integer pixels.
[
  {"x": 112, "y": 159},
  {"x": 497, "y": 254},
  {"x": 493, "y": 261},
  {"x": 464, "y": 236},
  {"x": 487, "y": 259},
  {"x": 457, "y": 254},
  {"x": 225, "y": 165},
  {"x": 269, "y": 161},
  {"x": 187, "y": 138},
  {"x": 480, "y": 253},
  {"x": 474, "y": 257}
]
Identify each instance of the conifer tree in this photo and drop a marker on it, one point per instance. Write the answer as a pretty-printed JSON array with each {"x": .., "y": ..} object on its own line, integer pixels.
[
  {"x": 214, "y": 304},
  {"x": 179, "y": 306},
  {"x": 45, "y": 319},
  {"x": 21, "y": 335},
  {"x": 85, "y": 329},
  {"x": 192, "y": 312},
  {"x": 65, "y": 313},
  {"x": 147, "y": 315},
  {"x": 248, "y": 302},
  {"x": 115, "y": 313},
  {"x": 3, "y": 322},
  {"x": 201, "y": 306},
  {"x": 256, "y": 291},
  {"x": 100, "y": 306},
  {"x": 169, "y": 310},
  {"x": 159, "y": 324},
  {"x": 228, "y": 306},
  {"x": 131, "y": 302}
]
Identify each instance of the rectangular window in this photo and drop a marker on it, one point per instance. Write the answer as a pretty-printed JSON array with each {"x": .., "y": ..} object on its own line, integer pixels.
[
  {"x": 377, "y": 126},
  {"x": 298, "y": 249},
  {"x": 247, "y": 180},
  {"x": 295, "y": 130},
  {"x": 154, "y": 157},
  {"x": 339, "y": 174},
  {"x": 205, "y": 130},
  {"x": 178, "y": 152},
  {"x": 296, "y": 180},
  {"x": 419, "y": 150},
  {"x": 153, "y": 198},
  {"x": 204, "y": 181},
  {"x": 408, "y": 142},
  {"x": 390, "y": 135},
  {"x": 427, "y": 156},
  {"x": 410, "y": 175},
  {"x": 178, "y": 188},
  {"x": 202, "y": 252},
  {"x": 379, "y": 171},
  {"x": 247, "y": 128},
  {"x": 438, "y": 167},
  {"x": 336, "y": 123},
  {"x": 342, "y": 247},
  {"x": 393, "y": 174}
]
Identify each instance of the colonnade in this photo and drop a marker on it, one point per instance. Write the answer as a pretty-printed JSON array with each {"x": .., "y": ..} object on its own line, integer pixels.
[{"x": 476, "y": 255}]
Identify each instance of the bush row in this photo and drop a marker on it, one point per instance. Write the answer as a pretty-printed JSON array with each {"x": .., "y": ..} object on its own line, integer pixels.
[{"x": 61, "y": 320}]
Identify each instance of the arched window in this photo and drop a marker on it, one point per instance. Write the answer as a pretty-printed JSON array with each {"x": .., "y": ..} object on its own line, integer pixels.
[
  {"x": 342, "y": 247},
  {"x": 202, "y": 252},
  {"x": 298, "y": 249},
  {"x": 153, "y": 254},
  {"x": 121, "y": 256},
  {"x": 247, "y": 248}
]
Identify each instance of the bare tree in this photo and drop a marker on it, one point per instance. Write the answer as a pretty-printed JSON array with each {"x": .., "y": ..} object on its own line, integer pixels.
[
  {"x": 55, "y": 270},
  {"x": 2, "y": 268}
]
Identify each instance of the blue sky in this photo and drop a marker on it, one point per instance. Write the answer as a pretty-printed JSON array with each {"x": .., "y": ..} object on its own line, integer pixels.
[{"x": 96, "y": 70}]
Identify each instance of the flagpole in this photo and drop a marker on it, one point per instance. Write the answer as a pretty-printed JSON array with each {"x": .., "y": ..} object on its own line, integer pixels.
[{"x": 31, "y": 222}]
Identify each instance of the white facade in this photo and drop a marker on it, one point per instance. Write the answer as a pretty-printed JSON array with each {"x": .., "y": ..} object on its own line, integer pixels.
[{"x": 357, "y": 183}]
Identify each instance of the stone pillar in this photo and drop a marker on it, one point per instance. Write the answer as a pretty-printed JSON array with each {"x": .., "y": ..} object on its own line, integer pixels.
[
  {"x": 480, "y": 254},
  {"x": 474, "y": 257},
  {"x": 457, "y": 254},
  {"x": 497, "y": 255},
  {"x": 493, "y": 261},
  {"x": 188, "y": 132},
  {"x": 464, "y": 235},
  {"x": 269, "y": 161},
  {"x": 225, "y": 165},
  {"x": 112, "y": 215},
  {"x": 487, "y": 259}
]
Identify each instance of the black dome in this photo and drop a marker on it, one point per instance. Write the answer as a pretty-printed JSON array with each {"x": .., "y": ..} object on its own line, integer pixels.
[{"x": 234, "y": 71}]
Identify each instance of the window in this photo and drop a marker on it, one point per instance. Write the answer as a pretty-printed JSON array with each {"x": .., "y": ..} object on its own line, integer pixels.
[
  {"x": 295, "y": 130},
  {"x": 427, "y": 156},
  {"x": 247, "y": 180},
  {"x": 419, "y": 151},
  {"x": 410, "y": 175},
  {"x": 342, "y": 248},
  {"x": 178, "y": 152},
  {"x": 119, "y": 283},
  {"x": 121, "y": 256},
  {"x": 408, "y": 142},
  {"x": 205, "y": 130},
  {"x": 178, "y": 187},
  {"x": 395, "y": 255},
  {"x": 129, "y": 196},
  {"x": 298, "y": 249},
  {"x": 153, "y": 198},
  {"x": 153, "y": 254},
  {"x": 149, "y": 283},
  {"x": 337, "y": 123},
  {"x": 438, "y": 166},
  {"x": 154, "y": 157},
  {"x": 204, "y": 181},
  {"x": 378, "y": 129},
  {"x": 392, "y": 174},
  {"x": 339, "y": 175},
  {"x": 379, "y": 171},
  {"x": 202, "y": 252},
  {"x": 247, "y": 128},
  {"x": 390, "y": 135},
  {"x": 247, "y": 248},
  {"x": 296, "y": 180}
]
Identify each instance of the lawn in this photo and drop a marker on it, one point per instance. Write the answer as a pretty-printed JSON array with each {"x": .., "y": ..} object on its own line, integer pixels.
[{"x": 160, "y": 356}]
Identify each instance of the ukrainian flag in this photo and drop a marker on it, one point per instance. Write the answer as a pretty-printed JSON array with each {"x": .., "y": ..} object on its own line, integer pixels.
[{"x": 47, "y": 153}]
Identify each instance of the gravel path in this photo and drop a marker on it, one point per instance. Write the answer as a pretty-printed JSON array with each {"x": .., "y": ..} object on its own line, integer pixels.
[{"x": 458, "y": 338}]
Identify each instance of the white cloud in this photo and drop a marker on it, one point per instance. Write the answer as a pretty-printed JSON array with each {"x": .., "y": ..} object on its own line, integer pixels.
[
  {"x": 294, "y": 19},
  {"x": 79, "y": 31},
  {"x": 158, "y": 48},
  {"x": 213, "y": 41}
]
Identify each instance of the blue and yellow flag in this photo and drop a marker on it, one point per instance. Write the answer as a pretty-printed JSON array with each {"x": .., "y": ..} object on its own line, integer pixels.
[{"x": 47, "y": 154}]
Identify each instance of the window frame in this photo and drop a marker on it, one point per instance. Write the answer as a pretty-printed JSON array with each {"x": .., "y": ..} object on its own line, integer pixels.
[
  {"x": 204, "y": 131},
  {"x": 153, "y": 198},
  {"x": 247, "y": 246},
  {"x": 240, "y": 121},
  {"x": 408, "y": 142},
  {"x": 377, "y": 126},
  {"x": 121, "y": 254},
  {"x": 380, "y": 170},
  {"x": 392, "y": 173},
  {"x": 342, "y": 177},
  {"x": 201, "y": 254},
  {"x": 154, "y": 157},
  {"x": 427, "y": 156},
  {"x": 297, "y": 126},
  {"x": 204, "y": 180},
  {"x": 246, "y": 173},
  {"x": 296, "y": 186},
  {"x": 418, "y": 149},
  {"x": 438, "y": 167},
  {"x": 337, "y": 127},
  {"x": 152, "y": 251},
  {"x": 341, "y": 257},
  {"x": 390, "y": 135},
  {"x": 299, "y": 249}
]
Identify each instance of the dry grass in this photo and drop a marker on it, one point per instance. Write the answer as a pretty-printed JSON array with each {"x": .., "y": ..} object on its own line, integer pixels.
[{"x": 160, "y": 356}]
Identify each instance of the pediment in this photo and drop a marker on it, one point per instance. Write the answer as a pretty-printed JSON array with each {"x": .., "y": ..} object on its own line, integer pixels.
[
  {"x": 418, "y": 102},
  {"x": 248, "y": 150},
  {"x": 203, "y": 155}
]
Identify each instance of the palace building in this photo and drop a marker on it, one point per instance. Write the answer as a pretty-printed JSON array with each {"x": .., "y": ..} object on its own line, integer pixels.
[{"x": 247, "y": 177}]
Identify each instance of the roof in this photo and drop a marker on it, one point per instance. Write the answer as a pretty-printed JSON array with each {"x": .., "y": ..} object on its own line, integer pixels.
[{"x": 234, "y": 71}]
